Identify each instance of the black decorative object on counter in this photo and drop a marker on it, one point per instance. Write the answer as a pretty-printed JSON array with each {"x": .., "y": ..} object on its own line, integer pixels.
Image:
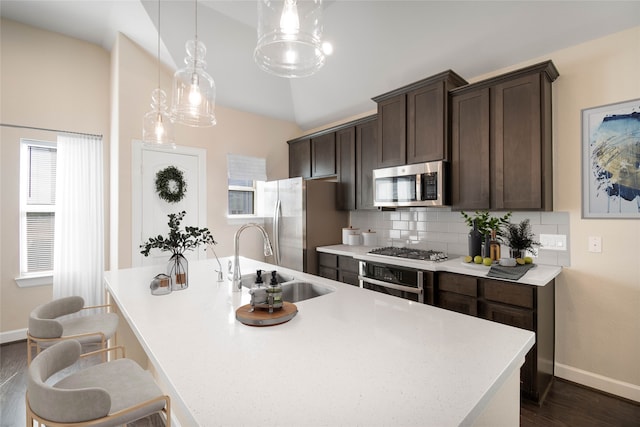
[{"x": 475, "y": 240}]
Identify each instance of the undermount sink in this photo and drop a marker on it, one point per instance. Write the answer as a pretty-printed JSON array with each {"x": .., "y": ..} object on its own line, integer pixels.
[
  {"x": 299, "y": 291},
  {"x": 293, "y": 290}
]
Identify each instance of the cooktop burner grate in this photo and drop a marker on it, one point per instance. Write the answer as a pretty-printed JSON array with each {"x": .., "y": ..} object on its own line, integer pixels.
[{"x": 409, "y": 253}]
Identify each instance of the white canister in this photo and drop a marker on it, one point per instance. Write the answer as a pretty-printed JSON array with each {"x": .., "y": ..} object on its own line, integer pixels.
[
  {"x": 346, "y": 232},
  {"x": 354, "y": 239},
  {"x": 369, "y": 238}
]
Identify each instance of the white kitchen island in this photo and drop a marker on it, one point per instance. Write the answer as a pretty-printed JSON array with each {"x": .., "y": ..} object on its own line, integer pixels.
[{"x": 352, "y": 357}]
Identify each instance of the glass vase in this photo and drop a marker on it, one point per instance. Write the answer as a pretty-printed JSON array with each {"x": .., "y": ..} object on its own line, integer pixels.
[
  {"x": 516, "y": 253},
  {"x": 178, "y": 269}
]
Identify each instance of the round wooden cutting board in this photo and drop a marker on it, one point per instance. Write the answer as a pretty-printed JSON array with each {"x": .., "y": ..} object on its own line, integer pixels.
[{"x": 261, "y": 317}]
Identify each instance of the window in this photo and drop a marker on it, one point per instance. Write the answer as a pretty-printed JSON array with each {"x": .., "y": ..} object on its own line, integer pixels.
[
  {"x": 37, "y": 205},
  {"x": 244, "y": 177},
  {"x": 242, "y": 197}
]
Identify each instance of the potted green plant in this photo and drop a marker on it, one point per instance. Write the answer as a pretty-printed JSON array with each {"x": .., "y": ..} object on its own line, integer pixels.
[
  {"x": 520, "y": 239},
  {"x": 177, "y": 242},
  {"x": 482, "y": 225}
]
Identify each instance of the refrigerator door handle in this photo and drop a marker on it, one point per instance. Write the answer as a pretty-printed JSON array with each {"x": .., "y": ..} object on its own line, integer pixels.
[{"x": 276, "y": 232}]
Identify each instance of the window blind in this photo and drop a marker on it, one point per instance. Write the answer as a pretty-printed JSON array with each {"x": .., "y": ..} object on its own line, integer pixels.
[
  {"x": 39, "y": 206},
  {"x": 40, "y": 228},
  {"x": 41, "y": 186},
  {"x": 246, "y": 168}
]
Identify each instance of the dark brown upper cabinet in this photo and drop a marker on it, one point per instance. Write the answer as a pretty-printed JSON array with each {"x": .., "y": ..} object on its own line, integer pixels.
[
  {"x": 346, "y": 160},
  {"x": 313, "y": 156},
  {"x": 323, "y": 155},
  {"x": 501, "y": 153},
  {"x": 366, "y": 162},
  {"x": 300, "y": 158},
  {"x": 413, "y": 121}
]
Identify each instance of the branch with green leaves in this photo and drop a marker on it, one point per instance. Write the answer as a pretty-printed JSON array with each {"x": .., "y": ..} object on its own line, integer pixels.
[{"x": 178, "y": 241}]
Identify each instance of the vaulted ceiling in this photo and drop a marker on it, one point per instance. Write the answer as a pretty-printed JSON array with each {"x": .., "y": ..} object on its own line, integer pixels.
[{"x": 378, "y": 45}]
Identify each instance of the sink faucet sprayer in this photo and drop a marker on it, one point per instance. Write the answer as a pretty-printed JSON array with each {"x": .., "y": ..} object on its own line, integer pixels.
[{"x": 236, "y": 281}]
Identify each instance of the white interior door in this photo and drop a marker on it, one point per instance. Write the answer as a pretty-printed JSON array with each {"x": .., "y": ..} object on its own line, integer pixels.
[{"x": 150, "y": 212}]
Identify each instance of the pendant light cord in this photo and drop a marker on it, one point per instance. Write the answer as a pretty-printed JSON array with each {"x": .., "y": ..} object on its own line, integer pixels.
[
  {"x": 195, "y": 51},
  {"x": 158, "y": 58}
]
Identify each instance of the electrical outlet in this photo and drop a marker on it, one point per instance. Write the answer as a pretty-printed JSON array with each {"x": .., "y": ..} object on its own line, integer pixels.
[
  {"x": 595, "y": 244},
  {"x": 554, "y": 242}
]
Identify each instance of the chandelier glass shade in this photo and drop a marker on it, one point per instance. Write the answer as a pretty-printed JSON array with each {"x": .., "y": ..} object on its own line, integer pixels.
[
  {"x": 157, "y": 127},
  {"x": 194, "y": 91},
  {"x": 289, "y": 37}
]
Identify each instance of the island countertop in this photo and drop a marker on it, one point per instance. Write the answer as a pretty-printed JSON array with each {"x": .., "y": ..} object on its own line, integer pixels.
[
  {"x": 540, "y": 275},
  {"x": 351, "y": 357}
]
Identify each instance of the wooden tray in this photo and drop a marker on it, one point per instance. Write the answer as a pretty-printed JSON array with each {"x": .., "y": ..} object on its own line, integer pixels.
[{"x": 263, "y": 318}]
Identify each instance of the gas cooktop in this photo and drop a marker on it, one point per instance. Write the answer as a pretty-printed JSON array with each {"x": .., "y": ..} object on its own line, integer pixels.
[{"x": 409, "y": 253}]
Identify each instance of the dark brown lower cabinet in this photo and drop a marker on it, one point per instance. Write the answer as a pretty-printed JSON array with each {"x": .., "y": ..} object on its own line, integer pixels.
[
  {"x": 338, "y": 267},
  {"x": 523, "y": 306}
]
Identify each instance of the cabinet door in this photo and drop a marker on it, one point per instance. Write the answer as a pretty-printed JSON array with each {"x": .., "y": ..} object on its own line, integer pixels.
[
  {"x": 516, "y": 160},
  {"x": 426, "y": 125},
  {"x": 392, "y": 131},
  {"x": 470, "y": 178},
  {"x": 323, "y": 155},
  {"x": 349, "y": 278},
  {"x": 367, "y": 161},
  {"x": 300, "y": 159},
  {"x": 508, "y": 315},
  {"x": 346, "y": 160},
  {"x": 456, "y": 302}
]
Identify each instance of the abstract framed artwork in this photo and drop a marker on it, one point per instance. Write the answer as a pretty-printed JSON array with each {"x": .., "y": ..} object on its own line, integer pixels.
[{"x": 611, "y": 161}]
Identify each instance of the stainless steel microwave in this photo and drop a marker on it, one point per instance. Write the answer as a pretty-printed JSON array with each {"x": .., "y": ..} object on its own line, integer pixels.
[{"x": 421, "y": 184}]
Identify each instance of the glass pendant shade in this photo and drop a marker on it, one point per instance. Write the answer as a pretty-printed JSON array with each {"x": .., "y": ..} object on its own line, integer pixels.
[
  {"x": 194, "y": 92},
  {"x": 289, "y": 37},
  {"x": 157, "y": 128}
]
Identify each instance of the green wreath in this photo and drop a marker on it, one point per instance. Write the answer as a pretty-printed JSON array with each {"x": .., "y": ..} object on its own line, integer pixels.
[{"x": 170, "y": 184}]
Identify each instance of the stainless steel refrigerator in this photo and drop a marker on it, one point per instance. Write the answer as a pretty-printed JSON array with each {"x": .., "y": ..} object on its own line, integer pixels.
[{"x": 303, "y": 217}]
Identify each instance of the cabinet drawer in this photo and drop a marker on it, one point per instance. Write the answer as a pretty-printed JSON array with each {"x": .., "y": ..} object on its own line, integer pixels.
[
  {"x": 456, "y": 302},
  {"x": 328, "y": 273},
  {"x": 520, "y": 295},
  {"x": 349, "y": 278},
  {"x": 459, "y": 284},
  {"x": 347, "y": 263},
  {"x": 327, "y": 260},
  {"x": 508, "y": 315}
]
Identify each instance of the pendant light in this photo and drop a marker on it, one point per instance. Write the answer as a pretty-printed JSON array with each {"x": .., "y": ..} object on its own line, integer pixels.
[
  {"x": 289, "y": 37},
  {"x": 157, "y": 128},
  {"x": 194, "y": 92}
]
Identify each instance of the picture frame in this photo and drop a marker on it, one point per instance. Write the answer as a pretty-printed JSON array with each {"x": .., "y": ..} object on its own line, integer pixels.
[{"x": 611, "y": 161}]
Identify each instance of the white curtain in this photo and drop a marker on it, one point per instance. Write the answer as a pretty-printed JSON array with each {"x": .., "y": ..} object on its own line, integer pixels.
[{"x": 78, "y": 263}]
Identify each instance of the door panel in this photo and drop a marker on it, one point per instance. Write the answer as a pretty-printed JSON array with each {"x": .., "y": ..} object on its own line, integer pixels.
[{"x": 150, "y": 212}]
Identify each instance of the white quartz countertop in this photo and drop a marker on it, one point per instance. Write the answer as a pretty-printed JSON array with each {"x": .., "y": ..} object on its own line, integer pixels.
[
  {"x": 351, "y": 357},
  {"x": 539, "y": 275}
]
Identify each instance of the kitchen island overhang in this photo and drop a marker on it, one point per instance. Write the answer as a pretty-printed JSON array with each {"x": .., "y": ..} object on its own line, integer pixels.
[{"x": 351, "y": 357}]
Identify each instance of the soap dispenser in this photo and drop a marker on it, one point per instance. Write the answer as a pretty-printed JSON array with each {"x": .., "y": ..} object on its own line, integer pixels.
[{"x": 274, "y": 293}]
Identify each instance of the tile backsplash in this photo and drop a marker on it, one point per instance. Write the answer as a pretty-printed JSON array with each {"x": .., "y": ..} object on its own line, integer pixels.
[{"x": 444, "y": 230}]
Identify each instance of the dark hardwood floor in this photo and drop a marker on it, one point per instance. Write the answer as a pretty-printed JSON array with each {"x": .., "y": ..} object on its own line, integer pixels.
[{"x": 566, "y": 405}]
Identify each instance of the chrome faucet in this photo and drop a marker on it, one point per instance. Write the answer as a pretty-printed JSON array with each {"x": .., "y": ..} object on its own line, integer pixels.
[{"x": 236, "y": 281}]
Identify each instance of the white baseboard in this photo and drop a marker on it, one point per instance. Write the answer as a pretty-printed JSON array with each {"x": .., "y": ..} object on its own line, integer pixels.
[
  {"x": 599, "y": 382},
  {"x": 11, "y": 336}
]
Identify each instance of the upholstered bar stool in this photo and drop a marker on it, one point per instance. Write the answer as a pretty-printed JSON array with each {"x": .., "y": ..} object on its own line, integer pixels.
[
  {"x": 50, "y": 323},
  {"x": 107, "y": 394}
]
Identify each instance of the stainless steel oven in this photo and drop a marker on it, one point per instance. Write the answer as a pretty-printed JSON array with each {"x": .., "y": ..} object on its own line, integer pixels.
[{"x": 401, "y": 282}]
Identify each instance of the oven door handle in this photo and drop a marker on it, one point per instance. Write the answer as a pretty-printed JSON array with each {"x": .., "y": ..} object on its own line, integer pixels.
[{"x": 390, "y": 285}]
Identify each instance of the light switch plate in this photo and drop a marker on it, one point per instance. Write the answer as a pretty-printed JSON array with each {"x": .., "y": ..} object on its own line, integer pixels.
[
  {"x": 595, "y": 244},
  {"x": 554, "y": 242}
]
